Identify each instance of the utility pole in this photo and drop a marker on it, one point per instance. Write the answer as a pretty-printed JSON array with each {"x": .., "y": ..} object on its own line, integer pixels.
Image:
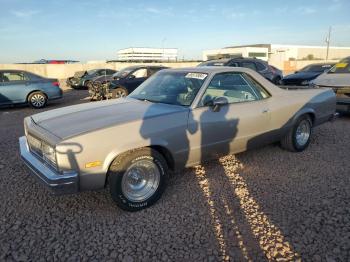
[{"x": 328, "y": 39}]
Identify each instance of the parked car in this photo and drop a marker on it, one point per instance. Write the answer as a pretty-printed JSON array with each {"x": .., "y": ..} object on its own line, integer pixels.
[
  {"x": 177, "y": 118},
  {"x": 337, "y": 78},
  {"x": 129, "y": 78},
  {"x": 83, "y": 79},
  {"x": 269, "y": 72},
  {"x": 306, "y": 74},
  {"x": 21, "y": 87}
]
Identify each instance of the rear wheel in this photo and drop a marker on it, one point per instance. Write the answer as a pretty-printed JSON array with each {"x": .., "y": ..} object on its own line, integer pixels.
[
  {"x": 137, "y": 178},
  {"x": 37, "y": 100},
  {"x": 298, "y": 138},
  {"x": 119, "y": 92}
]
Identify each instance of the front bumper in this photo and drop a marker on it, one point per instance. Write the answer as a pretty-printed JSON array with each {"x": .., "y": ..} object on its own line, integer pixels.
[{"x": 66, "y": 183}]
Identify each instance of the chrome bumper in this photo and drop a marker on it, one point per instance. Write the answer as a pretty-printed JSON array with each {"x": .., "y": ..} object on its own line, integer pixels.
[{"x": 66, "y": 183}]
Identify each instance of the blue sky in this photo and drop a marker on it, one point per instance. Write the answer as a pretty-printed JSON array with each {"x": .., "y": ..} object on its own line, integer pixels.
[{"x": 96, "y": 29}]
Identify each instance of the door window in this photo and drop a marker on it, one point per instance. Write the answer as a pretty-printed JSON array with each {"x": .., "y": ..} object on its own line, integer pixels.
[
  {"x": 12, "y": 76},
  {"x": 260, "y": 66},
  {"x": 236, "y": 87},
  {"x": 140, "y": 73},
  {"x": 250, "y": 65}
]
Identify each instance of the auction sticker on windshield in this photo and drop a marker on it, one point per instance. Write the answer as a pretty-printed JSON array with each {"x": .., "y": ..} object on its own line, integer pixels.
[{"x": 200, "y": 76}]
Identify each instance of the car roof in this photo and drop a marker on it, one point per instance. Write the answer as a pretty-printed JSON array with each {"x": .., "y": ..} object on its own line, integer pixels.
[{"x": 208, "y": 69}]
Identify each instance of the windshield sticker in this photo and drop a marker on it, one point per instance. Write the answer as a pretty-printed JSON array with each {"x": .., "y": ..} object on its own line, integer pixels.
[
  {"x": 341, "y": 65},
  {"x": 200, "y": 76}
]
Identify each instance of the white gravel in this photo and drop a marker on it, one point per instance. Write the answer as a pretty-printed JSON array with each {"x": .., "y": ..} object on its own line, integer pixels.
[{"x": 266, "y": 204}]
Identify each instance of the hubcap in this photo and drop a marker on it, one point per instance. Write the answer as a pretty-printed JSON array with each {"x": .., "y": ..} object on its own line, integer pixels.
[
  {"x": 37, "y": 100},
  {"x": 141, "y": 180},
  {"x": 303, "y": 133},
  {"x": 120, "y": 93}
]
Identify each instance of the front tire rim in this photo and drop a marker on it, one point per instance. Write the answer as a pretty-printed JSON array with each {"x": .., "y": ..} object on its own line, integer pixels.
[
  {"x": 303, "y": 133},
  {"x": 120, "y": 94},
  {"x": 140, "y": 181},
  {"x": 37, "y": 100}
]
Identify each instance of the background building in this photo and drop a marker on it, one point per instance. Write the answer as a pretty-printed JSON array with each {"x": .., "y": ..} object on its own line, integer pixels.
[
  {"x": 146, "y": 54},
  {"x": 278, "y": 54}
]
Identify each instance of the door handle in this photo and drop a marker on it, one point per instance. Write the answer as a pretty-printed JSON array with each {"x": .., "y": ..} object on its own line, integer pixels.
[{"x": 266, "y": 110}]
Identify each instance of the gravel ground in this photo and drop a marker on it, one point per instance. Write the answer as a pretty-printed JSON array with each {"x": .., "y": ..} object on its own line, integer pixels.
[{"x": 266, "y": 204}]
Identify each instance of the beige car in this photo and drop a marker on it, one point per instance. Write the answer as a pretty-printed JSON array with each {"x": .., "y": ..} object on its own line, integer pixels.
[{"x": 177, "y": 118}]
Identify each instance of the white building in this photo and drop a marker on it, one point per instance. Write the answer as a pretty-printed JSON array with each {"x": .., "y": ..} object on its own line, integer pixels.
[
  {"x": 148, "y": 54},
  {"x": 278, "y": 54}
]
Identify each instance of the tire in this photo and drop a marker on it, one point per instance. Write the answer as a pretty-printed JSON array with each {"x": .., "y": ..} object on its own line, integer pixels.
[
  {"x": 87, "y": 84},
  {"x": 277, "y": 81},
  {"x": 291, "y": 142},
  {"x": 37, "y": 100},
  {"x": 125, "y": 176},
  {"x": 119, "y": 92}
]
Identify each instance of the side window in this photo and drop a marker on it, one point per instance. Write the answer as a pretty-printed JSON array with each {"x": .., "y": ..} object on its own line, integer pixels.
[
  {"x": 140, "y": 73},
  {"x": 102, "y": 72},
  {"x": 234, "y": 64},
  {"x": 250, "y": 65},
  {"x": 13, "y": 76},
  {"x": 153, "y": 70},
  {"x": 234, "y": 86},
  {"x": 260, "y": 66}
]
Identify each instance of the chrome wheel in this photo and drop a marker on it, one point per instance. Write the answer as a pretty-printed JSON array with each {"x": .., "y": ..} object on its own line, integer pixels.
[
  {"x": 119, "y": 93},
  {"x": 140, "y": 180},
  {"x": 303, "y": 131},
  {"x": 38, "y": 100}
]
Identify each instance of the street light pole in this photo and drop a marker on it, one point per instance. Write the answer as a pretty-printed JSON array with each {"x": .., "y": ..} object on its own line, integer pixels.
[{"x": 328, "y": 39}]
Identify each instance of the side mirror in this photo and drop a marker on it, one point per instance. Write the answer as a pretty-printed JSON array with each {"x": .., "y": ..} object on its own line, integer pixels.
[
  {"x": 131, "y": 77},
  {"x": 296, "y": 72},
  {"x": 218, "y": 102}
]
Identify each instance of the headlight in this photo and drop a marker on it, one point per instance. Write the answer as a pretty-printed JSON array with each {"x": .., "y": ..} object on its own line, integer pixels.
[
  {"x": 305, "y": 82},
  {"x": 49, "y": 154}
]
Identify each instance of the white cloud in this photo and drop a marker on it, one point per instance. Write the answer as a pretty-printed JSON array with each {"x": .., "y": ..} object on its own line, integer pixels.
[{"x": 25, "y": 13}]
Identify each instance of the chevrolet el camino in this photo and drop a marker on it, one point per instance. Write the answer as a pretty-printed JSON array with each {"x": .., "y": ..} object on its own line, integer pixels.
[{"x": 175, "y": 119}]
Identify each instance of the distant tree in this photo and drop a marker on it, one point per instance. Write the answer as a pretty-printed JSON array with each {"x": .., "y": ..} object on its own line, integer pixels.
[{"x": 310, "y": 57}]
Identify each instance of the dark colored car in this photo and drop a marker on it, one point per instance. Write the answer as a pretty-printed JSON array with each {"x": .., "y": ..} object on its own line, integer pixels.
[
  {"x": 84, "y": 78},
  {"x": 21, "y": 87},
  {"x": 306, "y": 74},
  {"x": 269, "y": 72},
  {"x": 129, "y": 78}
]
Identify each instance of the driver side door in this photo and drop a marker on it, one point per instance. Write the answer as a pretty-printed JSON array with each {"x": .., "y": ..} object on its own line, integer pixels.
[{"x": 237, "y": 125}]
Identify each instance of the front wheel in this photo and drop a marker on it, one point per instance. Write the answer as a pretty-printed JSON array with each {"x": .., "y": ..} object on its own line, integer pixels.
[
  {"x": 119, "y": 92},
  {"x": 137, "y": 178},
  {"x": 37, "y": 100},
  {"x": 298, "y": 138}
]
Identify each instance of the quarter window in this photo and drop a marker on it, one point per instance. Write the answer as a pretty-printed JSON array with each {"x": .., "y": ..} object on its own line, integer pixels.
[{"x": 236, "y": 87}]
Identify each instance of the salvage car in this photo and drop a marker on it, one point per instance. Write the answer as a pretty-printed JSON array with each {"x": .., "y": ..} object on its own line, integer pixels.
[
  {"x": 129, "y": 78},
  {"x": 177, "y": 118},
  {"x": 337, "y": 78},
  {"x": 268, "y": 71},
  {"x": 21, "y": 87},
  {"x": 304, "y": 76},
  {"x": 83, "y": 79}
]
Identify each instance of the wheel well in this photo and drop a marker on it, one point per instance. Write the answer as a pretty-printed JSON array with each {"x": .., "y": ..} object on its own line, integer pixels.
[
  {"x": 34, "y": 92},
  {"x": 312, "y": 116},
  {"x": 166, "y": 154}
]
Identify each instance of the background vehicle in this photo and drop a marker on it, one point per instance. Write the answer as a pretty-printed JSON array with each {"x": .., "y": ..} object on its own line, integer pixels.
[
  {"x": 337, "y": 78},
  {"x": 19, "y": 87},
  {"x": 306, "y": 74},
  {"x": 128, "y": 79},
  {"x": 269, "y": 72},
  {"x": 85, "y": 78},
  {"x": 177, "y": 118}
]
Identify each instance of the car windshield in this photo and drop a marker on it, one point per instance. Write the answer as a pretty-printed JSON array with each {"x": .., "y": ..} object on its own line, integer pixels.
[
  {"x": 176, "y": 88},
  {"x": 316, "y": 68},
  {"x": 124, "y": 72},
  {"x": 91, "y": 72}
]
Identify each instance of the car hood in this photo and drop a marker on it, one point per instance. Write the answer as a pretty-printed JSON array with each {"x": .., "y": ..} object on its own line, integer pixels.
[
  {"x": 333, "y": 80},
  {"x": 302, "y": 76},
  {"x": 74, "y": 120}
]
